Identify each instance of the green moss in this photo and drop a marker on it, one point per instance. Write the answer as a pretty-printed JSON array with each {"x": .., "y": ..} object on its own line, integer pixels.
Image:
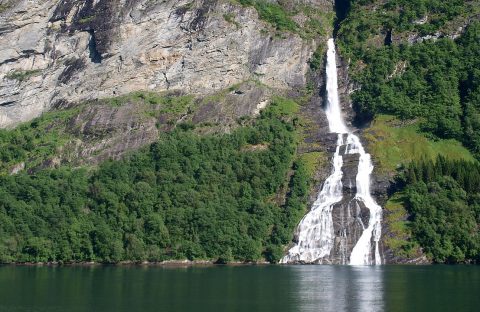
[
  {"x": 393, "y": 143},
  {"x": 22, "y": 75},
  {"x": 4, "y": 6},
  {"x": 230, "y": 18},
  {"x": 281, "y": 106},
  {"x": 86, "y": 19},
  {"x": 313, "y": 161},
  {"x": 399, "y": 236}
]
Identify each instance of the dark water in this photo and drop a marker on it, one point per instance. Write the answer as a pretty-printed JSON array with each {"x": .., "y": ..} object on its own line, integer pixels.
[{"x": 249, "y": 288}]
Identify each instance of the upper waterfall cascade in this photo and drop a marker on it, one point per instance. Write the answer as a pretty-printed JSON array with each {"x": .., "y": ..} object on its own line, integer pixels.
[{"x": 315, "y": 234}]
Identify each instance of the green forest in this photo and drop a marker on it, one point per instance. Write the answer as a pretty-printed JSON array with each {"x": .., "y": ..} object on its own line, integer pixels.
[
  {"x": 186, "y": 196},
  {"x": 437, "y": 82},
  {"x": 433, "y": 83},
  {"x": 443, "y": 198}
]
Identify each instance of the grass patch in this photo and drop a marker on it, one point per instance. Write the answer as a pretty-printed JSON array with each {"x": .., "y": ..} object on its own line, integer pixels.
[
  {"x": 176, "y": 104},
  {"x": 281, "y": 106},
  {"x": 22, "y": 75},
  {"x": 170, "y": 103},
  {"x": 393, "y": 144},
  {"x": 86, "y": 19},
  {"x": 35, "y": 141},
  {"x": 137, "y": 96},
  {"x": 273, "y": 14},
  {"x": 313, "y": 161},
  {"x": 317, "y": 21}
]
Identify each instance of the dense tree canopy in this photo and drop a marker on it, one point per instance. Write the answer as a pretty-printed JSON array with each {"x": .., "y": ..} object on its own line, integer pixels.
[
  {"x": 443, "y": 198},
  {"x": 435, "y": 80},
  {"x": 187, "y": 196},
  {"x": 408, "y": 65}
]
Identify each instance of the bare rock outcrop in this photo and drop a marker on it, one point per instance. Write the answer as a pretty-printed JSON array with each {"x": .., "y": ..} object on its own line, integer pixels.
[{"x": 58, "y": 51}]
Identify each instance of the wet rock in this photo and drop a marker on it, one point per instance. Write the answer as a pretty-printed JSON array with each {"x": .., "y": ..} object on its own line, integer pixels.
[
  {"x": 350, "y": 168},
  {"x": 345, "y": 88},
  {"x": 350, "y": 217}
]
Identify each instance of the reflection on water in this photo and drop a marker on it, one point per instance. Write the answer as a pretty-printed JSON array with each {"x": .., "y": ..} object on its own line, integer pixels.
[
  {"x": 247, "y": 288},
  {"x": 339, "y": 288}
]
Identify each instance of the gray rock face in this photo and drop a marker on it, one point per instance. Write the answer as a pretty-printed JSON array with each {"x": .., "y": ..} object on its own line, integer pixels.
[
  {"x": 103, "y": 129},
  {"x": 104, "y": 132},
  {"x": 57, "y": 51}
]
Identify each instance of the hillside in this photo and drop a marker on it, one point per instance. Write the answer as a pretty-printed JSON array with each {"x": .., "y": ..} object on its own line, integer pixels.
[
  {"x": 417, "y": 62},
  {"x": 154, "y": 142},
  {"x": 169, "y": 130}
]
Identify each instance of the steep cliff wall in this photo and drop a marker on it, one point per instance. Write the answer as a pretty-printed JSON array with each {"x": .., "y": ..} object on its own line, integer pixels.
[{"x": 55, "y": 52}]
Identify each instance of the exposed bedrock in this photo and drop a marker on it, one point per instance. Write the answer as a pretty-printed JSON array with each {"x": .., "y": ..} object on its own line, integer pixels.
[{"x": 68, "y": 51}]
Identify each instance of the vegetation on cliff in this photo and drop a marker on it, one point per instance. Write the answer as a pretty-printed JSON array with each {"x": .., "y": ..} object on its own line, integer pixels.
[
  {"x": 396, "y": 143},
  {"x": 238, "y": 196},
  {"x": 418, "y": 61},
  {"x": 186, "y": 196},
  {"x": 282, "y": 16},
  {"x": 443, "y": 199},
  {"x": 34, "y": 141},
  {"x": 435, "y": 81},
  {"x": 369, "y": 24}
]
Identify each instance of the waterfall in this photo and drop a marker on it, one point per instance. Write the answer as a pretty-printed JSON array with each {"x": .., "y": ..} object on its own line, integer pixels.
[
  {"x": 361, "y": 253},
  {"x": 315, "y": 235}
]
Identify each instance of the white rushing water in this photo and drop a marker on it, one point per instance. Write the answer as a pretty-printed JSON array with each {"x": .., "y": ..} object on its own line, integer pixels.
[{"x": 315, "y": 233}]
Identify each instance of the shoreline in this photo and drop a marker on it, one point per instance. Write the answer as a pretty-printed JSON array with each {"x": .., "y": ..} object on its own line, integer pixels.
[
  {"x": 166, "y": 263},
  {"x": 206, "y": 263}
]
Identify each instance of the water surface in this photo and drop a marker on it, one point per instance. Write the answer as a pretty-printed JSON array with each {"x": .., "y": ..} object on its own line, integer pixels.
[{"x": 245, "y": 288}]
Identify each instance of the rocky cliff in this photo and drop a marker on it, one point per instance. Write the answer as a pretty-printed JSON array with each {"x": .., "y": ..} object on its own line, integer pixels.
[{"x": 58, "y": 52}]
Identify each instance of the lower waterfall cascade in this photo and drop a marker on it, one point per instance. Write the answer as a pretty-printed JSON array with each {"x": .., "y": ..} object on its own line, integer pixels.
[{"x": 318, "y": 237}]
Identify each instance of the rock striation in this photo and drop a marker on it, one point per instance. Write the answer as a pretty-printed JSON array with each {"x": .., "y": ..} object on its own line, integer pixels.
[{"x": 55, "y": 52}]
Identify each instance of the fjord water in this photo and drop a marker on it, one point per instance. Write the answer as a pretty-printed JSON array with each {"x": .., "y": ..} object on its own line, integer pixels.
[
  {"x": 244, "y": 288},
  {"x": 315, "y": 233}
]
